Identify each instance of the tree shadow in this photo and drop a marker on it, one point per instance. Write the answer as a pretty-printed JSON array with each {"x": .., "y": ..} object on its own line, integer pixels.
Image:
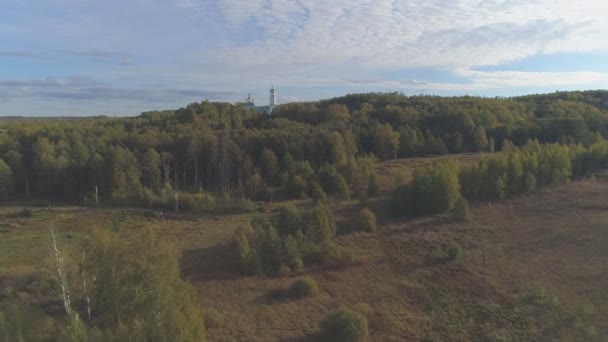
[
  {"x": 314, "y": 336},
  {"x": 277, "y": 296},
  {"x": 209, "y": 263}
]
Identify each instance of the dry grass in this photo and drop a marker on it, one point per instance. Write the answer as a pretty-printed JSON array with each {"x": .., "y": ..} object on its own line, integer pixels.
[
  {"x": 555, "y": 239},
  {"x": 398, "y": 171}
]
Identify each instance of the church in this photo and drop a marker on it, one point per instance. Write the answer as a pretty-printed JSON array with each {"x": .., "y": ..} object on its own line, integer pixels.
[{"x": 250, "y": 103}]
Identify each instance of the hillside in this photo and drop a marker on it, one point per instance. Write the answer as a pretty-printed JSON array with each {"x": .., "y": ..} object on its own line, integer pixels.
[
  {"x": 432, "y": 218},
  {"x": 544, "y": 257},
  {"x": 550, "y": 241}
]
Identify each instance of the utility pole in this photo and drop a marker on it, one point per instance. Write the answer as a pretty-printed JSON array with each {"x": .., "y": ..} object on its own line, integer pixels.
[{"x": 483, "y": 256}]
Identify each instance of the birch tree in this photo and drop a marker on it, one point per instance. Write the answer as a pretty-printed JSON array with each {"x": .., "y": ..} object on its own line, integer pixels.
[{"x": 59, "y": 273}]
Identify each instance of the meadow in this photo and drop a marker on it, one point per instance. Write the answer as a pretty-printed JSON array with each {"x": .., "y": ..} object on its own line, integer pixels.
[{"x": 530, "y": 268}]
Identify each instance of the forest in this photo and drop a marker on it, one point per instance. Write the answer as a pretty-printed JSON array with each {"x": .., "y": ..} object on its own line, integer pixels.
[
  {"x": 311, "y": 159},
  {"x": 209, "y": 149}
]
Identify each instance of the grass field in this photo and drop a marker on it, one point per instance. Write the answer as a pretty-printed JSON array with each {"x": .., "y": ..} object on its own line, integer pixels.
[{"x": 528, "y": 266}]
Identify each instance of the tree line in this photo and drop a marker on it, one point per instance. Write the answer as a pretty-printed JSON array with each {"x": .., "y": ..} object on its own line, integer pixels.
[
  {"x": 117, "y": 290},
  {"x": 438, "y": 187},
  {"x": 220, "y": 148}
]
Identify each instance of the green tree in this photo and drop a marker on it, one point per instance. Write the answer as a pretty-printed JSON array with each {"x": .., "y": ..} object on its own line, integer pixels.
[
  {"x": 269, "y": 164},
  {"x": 150, "y": 167},
  {"x": 366, "y": 220},
  {"x": 344, "y": 325},
  {"x": 5, "y": 179},
  {"x": 126, "y": 174},
  {"x": 323, "y": 223},
  {"x": 288, "y": 165},
  {"x": 461, "y": 209},
  {"x": 137, "y": 289},
  {"x": 337, "y": 149},
  {"x": 386, "y": 142},
  {"x": 480, "y": 138},
  {"x": 289, "y": 220}
]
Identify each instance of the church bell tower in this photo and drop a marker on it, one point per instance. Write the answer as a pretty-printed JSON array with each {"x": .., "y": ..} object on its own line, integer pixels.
[{"x": 273, "y": 99}]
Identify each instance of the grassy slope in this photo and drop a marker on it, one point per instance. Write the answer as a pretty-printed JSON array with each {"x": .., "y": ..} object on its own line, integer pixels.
[{"x": 554, "y": 239}]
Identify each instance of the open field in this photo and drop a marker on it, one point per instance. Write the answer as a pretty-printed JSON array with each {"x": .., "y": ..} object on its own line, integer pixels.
[
  {"x": 527, "y": 266},
  {"x": 553, "y": 241},
  {"x": 399, "y": 171}
]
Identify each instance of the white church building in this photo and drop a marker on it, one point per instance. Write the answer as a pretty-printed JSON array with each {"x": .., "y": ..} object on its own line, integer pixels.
[{"x": 272, "y": 103}]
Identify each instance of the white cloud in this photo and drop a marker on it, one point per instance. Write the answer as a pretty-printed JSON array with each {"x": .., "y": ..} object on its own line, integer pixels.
[
  {"x": 417, "y": 33},
  {"x": 308, "y": 46},
  {"x": 502, "y": 80}
]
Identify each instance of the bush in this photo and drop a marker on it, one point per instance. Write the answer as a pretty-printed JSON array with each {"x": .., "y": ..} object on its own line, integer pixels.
[
  {"x": 344, "y": 325},
  {"x": 434, "y": 189},
  {"x": 297, "y": 186},
  {"x": 323, "y": 224},
  {"x": 341, "y": 256},
  {"x": 583, "y": 319},
  {"x": 318, "y": 195},
  {"x": 197, "y": 202},
  {"x": 461, "y": 210},
  {"x": 25, "y": 212},
  {"x": 213, "y": 317},
  {"x": 454, "y": 252},
  {"x": 284, "y": 270},
  {"x": 289, "y": 220},
  {"x": 542, "y": 296},
  {"x": 245, "y": 253},
  {"x": 237, "y": 205},
  {"x": 265, "y": 193},
  {"x": 296, "y": 264},
  {"x": 364, "y": 309},
  {"x": 366, "y": 220},
  {"x": 304, "y": 287}
]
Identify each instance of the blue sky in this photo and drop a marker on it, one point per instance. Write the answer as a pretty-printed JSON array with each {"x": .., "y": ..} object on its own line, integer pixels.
[{"x": 122, "y": 57}]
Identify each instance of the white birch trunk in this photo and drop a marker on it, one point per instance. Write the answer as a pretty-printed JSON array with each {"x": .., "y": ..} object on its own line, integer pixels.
[{"x": 61, "y": 276}]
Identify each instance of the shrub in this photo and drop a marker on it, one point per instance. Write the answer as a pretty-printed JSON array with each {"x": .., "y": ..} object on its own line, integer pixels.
[
  {"x": 296, "y": 264},
  {"x": 341, "y": 256},
  {"x": 434, "y": 189},
  {"x": 305, "y": 287},
  {"x": 237, "y": 205},
  {"x": 265, "y": 193},
  {"x": 197, "y": 202},
  {"x": 364, "y": 309},
  {"x": 25, "y": 212},
  {"x": 583, "y": 319},
  {"x": 213, "y": 317},
  {"x": 323, "y": 224},
  {"x": 289, "y": 220},
  {"x": 246, "y": 254},
  {"x": 461, "y": 210},
  {"x": 344, "y": 325},
  {"x": 284, "y": 270},
  {"x": 318, "y": 195},
  {"x": 366, "y": 220},
  {"x": 542, "y": 296},
  {"x": 297, "y": 186},
  {"x": 454, "y": 252}
]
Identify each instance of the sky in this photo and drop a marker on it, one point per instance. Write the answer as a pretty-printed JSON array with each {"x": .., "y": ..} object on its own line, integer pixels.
[{"x": 123, "y": 57}]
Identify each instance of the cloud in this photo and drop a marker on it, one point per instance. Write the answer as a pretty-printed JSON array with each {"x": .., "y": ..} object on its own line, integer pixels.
[
  {"x": 84, "y": 88},
  {"x": 501, "y": 80},
  {"x": 22, "y": 54},
  {"x": 416, "y": 33},
  {"x": 315, "y": 48},
  {"x": 121, "y": 58}
]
